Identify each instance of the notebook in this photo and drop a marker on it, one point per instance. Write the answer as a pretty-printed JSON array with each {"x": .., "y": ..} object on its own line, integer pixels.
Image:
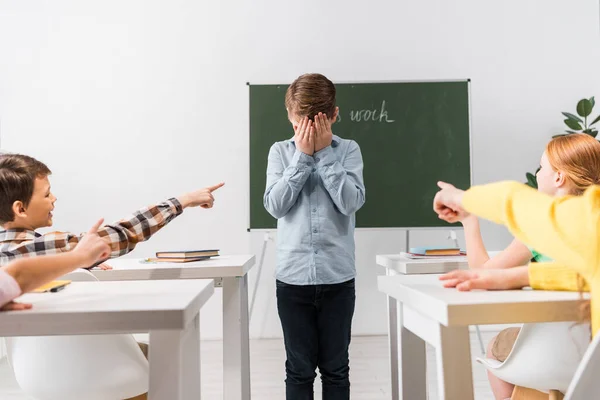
[{"x": 54, "y": 286}]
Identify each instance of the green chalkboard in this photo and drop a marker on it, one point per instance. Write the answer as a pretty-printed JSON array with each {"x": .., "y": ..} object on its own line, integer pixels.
[{"x": 411, "y": 135}]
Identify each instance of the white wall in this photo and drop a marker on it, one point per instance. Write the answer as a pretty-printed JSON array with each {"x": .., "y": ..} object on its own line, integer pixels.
[{"x": 133, "y": 101}]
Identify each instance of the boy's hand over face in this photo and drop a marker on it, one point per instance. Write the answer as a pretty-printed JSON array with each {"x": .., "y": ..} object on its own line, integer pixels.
[
  {"x": 304, "y": 136},
  {"x": 323, "y": 135}
]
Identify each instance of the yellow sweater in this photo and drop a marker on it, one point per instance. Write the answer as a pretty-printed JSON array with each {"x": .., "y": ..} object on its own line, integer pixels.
[{"x": 566, "y": 229}]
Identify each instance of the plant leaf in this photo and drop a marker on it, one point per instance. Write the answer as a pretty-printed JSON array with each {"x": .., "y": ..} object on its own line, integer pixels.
[
  {"x": 584, "y": 107},
  {"x": 562, "y": 134},
  {"x": 591, "y": 132},
  {"x": 593, "y": 101},
  {"x": 572, "y": 116},
  {"x": 573, "y": 124},
  {"x": 596, "y": 120},
  {"x": 531, "y": 180}
]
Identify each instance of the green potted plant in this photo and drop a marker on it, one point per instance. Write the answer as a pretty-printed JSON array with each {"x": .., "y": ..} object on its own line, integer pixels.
[{"x": 576, "y": 124}]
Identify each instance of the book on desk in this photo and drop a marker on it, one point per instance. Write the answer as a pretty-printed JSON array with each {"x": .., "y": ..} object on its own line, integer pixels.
[
  {"x": 427, "y": 252},
  {"x": 183, "y": 256}
]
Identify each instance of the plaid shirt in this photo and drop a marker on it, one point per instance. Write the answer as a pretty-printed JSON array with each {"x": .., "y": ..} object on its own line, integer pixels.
[{"x": 122, "y": 236}]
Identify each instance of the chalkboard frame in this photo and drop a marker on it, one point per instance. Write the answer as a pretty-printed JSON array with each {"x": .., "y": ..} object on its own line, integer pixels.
[{"x": 443, "y": 225}]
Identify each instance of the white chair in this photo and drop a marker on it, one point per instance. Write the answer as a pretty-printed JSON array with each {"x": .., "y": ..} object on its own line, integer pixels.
[
  {"x": 545, "y": 356},
  {"x": 91, "y": 367},
  {"x": 586, "y": 382}
]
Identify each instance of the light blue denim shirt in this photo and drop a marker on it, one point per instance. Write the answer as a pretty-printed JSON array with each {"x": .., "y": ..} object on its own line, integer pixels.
[{"x": 314, "y": 199}]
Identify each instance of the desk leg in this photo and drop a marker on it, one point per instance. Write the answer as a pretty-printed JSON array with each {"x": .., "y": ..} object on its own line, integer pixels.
[
  {"x": 413, "y": 363},
  {"x": 455, "y": 375},
  {"x": 175, "y": 363},
  {"x": 393, "y": 343},
  {"x": 236, "y": 345}
]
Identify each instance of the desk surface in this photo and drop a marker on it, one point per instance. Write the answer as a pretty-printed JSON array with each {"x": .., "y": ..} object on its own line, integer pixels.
[
  {"x": 426, "y": 295},
  {"x": 109, "y": 307},
  {"x": 135, "y": 269}
]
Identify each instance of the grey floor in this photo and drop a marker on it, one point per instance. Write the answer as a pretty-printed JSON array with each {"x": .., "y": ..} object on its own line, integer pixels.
[{"x": 369, "y": 371}]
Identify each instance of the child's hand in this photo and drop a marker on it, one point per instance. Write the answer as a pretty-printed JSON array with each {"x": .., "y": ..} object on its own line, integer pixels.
[
  {"x": 323, "y": 135},
  {"x": 447, "y": 203},
  {"x": 14, "y": 306},
  {"x": 489, "y": 279},
  {"x": 304, "y": 136},
  {"x": 200, "y": 198},
  {"x": 92, "y": 246}
]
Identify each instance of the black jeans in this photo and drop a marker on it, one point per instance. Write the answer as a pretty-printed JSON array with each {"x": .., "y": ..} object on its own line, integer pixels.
[{"x": 316, "y": 322}]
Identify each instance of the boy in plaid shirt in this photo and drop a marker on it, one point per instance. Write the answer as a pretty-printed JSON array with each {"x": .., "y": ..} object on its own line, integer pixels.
[{"x": 26, "y": 204}]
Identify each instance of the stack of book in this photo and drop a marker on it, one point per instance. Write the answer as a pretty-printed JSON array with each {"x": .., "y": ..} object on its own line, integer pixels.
[{"x": 184, "y": 256}]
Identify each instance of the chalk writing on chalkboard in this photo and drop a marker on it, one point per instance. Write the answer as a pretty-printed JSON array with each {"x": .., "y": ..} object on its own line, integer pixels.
[{"x": 369, "y": 115}]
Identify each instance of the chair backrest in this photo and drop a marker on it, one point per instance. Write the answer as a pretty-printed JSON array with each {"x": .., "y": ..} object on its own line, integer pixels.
[
  {"x": 586, "y": 381},
  {"x": 91, "y": 367},
  {"x": 545, "y": 356}
]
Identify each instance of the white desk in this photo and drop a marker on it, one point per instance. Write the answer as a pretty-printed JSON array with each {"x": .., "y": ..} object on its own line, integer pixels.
[
  {"x": 228, "y": 271},
  {"x": 127, "y": 307},
  {"x": 395, "y": 264},
  {"x": 427, "y": 312}
]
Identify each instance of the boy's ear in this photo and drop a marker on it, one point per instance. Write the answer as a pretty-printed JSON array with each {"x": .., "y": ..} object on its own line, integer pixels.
[
  {"x": 19, "y": 209},
  {"x": 335, "y": 114}
]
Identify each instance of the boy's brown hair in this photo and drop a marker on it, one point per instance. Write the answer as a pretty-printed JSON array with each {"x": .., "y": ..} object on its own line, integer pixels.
[
  {"x": 309, "y": 95},
  {"x": 17, "y": 178}
]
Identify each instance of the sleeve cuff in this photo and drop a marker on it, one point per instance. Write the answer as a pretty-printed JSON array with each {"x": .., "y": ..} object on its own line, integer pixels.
[
  {"x": 301, "y": 158},
  {"x": 551, "y": 276},
  {"x": 176, "y": 205},
  {"x": 325, "y": 156}
]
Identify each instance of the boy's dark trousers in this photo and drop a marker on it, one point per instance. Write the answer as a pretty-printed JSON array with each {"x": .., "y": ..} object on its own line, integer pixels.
[{"x": 316, "y": 322}]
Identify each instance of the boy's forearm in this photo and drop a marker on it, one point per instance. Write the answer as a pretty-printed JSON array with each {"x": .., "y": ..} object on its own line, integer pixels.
[
  {"x": 124, "y": 235},
  {"x": 343, "y": 182},
  {"x": 185, "y": 200},
  {"x": 284, "y": 187}
]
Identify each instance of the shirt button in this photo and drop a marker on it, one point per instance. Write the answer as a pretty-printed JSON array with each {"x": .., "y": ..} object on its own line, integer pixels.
[
  {"x": 317, "y": 159},
  {"x": 314, "y": 231},
  {"x": 314, "y": 170},
  {"x": 314, "y": 210},
  {"x": 316, "y": 251}
]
